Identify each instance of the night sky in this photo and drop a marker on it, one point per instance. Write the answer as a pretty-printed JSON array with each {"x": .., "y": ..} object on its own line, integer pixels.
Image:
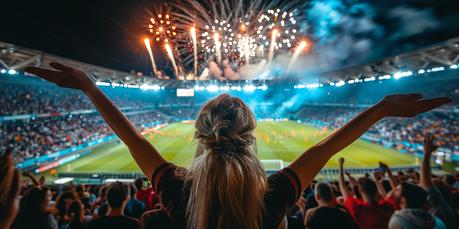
[{"x": 109, "y": 33}]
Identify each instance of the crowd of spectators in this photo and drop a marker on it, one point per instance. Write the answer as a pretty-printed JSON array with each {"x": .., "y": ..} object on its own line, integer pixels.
[
  {"x": 39, "y": 98},
  {"x": 398, "y": 133},
  {"x": 44, "y": 135},
  {"x": 40, "y": 136},
  {"x": 408, "y": 199},
  {"x": 31, "y": 138}
]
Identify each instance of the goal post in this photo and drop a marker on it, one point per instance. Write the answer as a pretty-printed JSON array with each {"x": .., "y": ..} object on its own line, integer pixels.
[{"x": 273, "y": 164}]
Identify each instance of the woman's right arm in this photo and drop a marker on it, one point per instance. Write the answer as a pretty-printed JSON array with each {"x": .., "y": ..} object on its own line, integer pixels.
[
  {"x": 405, "y": 105},
  {"x": 145, "y": 155}
]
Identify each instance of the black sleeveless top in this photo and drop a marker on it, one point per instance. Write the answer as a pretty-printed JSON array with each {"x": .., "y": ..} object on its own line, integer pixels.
[{"x": 284, "y": 189}]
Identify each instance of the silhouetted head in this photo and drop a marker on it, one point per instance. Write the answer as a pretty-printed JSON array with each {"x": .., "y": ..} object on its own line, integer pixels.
[
  {"x": 36, "y": 198},
  {"x": 117, "y": 195},
  {"x": 323, "y": 192},
  {"x": 227, "y": 181},
  {"x": 64, "y": 201},
  {"x": 411, "y": 195},
  {"x": 368, "y": 189}
]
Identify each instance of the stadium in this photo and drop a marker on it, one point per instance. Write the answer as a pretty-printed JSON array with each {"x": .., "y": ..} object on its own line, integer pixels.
[
  {"x": 289, "y": 122},
  {"x": 289, "y": 63}
]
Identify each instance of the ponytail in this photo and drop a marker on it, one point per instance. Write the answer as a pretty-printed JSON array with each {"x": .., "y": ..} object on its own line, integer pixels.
[{"x": 227, "y": 181}]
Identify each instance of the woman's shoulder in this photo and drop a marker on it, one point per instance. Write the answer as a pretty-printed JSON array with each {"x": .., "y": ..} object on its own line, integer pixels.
[{"x": 168, "y": 177}]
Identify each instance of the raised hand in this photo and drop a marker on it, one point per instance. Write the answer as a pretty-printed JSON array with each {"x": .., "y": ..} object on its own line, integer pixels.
[
  {"x": 341, "y": 161},
  {"x": 429, "y": 144},
  {"x": 409, "y": 105},
  {"x": 426, "y": 171},
  {"x": 383, "y": 165},
  {"x": 63, "y": 76},
  {"x": 405, "y": 105},
  {"x": 9, "y": 190},
  {"x": 146, "y": 156}
]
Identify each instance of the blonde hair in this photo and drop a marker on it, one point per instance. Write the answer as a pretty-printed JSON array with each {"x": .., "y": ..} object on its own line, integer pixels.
[{"x": 227, "y": 181}]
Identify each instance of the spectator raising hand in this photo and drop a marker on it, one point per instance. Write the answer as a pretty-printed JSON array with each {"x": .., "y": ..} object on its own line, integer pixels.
[
  {"x": 437, "y": 204},
  {"x": 9, "y": 190}
]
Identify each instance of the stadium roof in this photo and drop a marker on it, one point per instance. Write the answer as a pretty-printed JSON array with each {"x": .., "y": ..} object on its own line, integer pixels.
[{"x": 443, "y": 54}]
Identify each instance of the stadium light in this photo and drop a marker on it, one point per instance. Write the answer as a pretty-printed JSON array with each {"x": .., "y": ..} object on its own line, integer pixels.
[
  {"x": 385, "y": 77},
  {"x": 340, "y": 83},
  {"x": 150, "y": 87},
  {"x": 312, "y": 86},
  {"x": 399, "y": 75},
  {"x": 300, "y": 86},
  {"x": 351, "y": 82},
  {"x": 369, "y": 79},
  {"x": 132, "y": 86},
  {"x": 102, "y": 84},
  {"x": 212, "y": 88},
  {"x": 12, "y": 72},
  {"x": 453, "y": 66},
  {"x": 3, "y": 71},
  {"x": 437, "y": 69},
  {"x": 236, "y": 88},
  {"x": 249, "y": 88},
  {"x": 421, "y": 71},
  {"x": 224, "y": 88},
  {"x": 199, "y": 88},
  {"x": 263, "y": 87}
]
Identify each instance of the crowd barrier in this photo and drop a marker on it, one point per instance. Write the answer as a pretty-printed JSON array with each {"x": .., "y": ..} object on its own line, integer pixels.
[{"x": 324, "y": 174}]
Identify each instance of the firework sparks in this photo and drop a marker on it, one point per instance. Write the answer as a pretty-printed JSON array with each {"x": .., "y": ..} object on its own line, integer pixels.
[
  {"x": 301, "y": 47},
  {"x": 150, "y": 53},
  {"x": 195, "y": 50},
  {"x": 162, "y": 28},
  {"x": 218, "y": 47},
  {"x": 171, "y": 57},
  {"x": 272, "y": 44},
  {"x": 246, "y": 47},
  {"x": 282, "y": 21}
]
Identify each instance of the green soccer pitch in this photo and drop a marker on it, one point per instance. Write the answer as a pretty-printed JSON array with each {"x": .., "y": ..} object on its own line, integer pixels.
[{"x": 276, "y": 141}]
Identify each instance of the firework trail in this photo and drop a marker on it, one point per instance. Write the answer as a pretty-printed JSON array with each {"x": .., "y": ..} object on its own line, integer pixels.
[
  {"x": 272, "y": 44},
  {"x": 298, "y": 50},
  {"x": 195, "y": 50},
  {"x": 171, "y": 57},
  {"x": 150, "y": 53}
]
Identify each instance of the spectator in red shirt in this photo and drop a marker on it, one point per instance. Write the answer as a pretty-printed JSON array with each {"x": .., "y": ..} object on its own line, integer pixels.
[
  {"x": 369, "y": 212},
  {"x": 146, "y": 195},
  {"x": 319, "y": 217}
]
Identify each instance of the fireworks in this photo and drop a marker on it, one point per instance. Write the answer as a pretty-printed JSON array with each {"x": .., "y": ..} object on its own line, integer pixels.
[
  {"x": 283, "y": 22},
  {"x": 229, "y": 35},
  {"x": 162, "y": 28},
  {"x": 273, "y": 43},
  {"x": 301, "y": 47},
  {"x": 171, "y": 57},
  {"x": 246, "y": 47},
  {"x": 195, "y": 50},
  {"x": 150, "y": 53}
]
